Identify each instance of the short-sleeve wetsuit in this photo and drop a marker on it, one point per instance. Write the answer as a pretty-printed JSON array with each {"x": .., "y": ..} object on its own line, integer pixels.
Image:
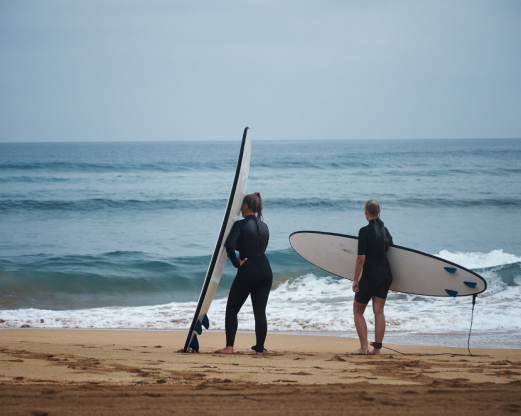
[
  {"x": 250, "y": 237},
  {"x": 373, "y": 242}
]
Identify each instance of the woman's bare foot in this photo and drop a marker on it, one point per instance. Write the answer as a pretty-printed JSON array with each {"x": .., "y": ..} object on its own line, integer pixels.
[
  {"x": 361, "y": 351},
  {"x": 226, "y": 350},
  {"x": 376, "y": 352}
]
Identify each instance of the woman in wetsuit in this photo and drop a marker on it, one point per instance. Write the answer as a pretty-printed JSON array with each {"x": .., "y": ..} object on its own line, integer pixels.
[
  {"x": 254, "y": 277},
  {"x": 373, "y": 242}
]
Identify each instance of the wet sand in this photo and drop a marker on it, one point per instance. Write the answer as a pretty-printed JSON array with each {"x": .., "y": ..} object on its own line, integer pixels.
[{"x": 61, "y": 372}]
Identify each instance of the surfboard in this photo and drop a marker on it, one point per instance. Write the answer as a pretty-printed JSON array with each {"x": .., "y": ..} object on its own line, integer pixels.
[
  {"x": 413, "y": 272},
  {"x": 218, "y": 260}
]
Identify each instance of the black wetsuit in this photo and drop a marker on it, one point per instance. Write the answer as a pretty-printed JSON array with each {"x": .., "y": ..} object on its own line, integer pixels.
[
  {"x": 373, "y": 242},
  {"x": 253, "y": 277}
]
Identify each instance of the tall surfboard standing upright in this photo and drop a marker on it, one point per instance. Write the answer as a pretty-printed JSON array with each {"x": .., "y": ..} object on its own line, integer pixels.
[{"x": 215, "y": 270}]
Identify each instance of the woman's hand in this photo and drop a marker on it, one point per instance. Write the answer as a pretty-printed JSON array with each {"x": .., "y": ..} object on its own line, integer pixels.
[
  {"x": 241, "y": 262},
  {"x": 355, "y": 286}
]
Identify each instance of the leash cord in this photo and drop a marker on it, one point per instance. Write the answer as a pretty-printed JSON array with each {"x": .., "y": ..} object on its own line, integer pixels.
[{"x": 448, "y": 353}]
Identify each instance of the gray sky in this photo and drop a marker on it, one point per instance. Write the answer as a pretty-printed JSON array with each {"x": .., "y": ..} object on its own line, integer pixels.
[{"x": 296, "y": 69}]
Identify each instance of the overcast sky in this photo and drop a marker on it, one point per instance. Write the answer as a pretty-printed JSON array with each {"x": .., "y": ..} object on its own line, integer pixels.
[{"x": 295, "y": 69}]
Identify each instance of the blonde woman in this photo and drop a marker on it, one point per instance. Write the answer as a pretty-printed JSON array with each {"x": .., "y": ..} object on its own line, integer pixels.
[{"x": 373, "y": 242}]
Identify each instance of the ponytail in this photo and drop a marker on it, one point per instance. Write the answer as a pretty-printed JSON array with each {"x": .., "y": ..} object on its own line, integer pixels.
[{"x": 254, "y": 203}]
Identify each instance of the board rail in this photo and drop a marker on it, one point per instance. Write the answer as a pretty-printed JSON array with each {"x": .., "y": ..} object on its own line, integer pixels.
[{"x": 450, "y": 270}]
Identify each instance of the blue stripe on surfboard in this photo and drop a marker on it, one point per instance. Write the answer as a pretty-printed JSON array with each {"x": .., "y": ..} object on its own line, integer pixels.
[{"x": 450, "y": 269}]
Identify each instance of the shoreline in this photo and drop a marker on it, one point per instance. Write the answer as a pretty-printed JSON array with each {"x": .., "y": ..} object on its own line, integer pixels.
[
  {"x": 110, "y": 372},
  {"x": 490, "y": 340}
]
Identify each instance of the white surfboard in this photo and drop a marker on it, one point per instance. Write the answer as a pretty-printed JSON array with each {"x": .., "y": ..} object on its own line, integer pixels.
[
  {"x": 216, "y": 267},
  {"x": 413, "y": 272}
]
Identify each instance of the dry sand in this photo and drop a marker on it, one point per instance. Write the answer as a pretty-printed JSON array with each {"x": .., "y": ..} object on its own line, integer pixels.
[{"x": 64, "y": 372}]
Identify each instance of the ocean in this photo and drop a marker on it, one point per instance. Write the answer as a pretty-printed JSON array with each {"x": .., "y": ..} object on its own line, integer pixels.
[{"x": 119, "y": 235}]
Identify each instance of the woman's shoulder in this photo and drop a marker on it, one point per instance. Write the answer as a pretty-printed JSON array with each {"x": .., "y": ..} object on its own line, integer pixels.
[
  {"x": 262, "y": 223},
  {"x": 364, "y": 229},
  {"x": 239, "y": 223},
  {"x": 383, "y": 225}
]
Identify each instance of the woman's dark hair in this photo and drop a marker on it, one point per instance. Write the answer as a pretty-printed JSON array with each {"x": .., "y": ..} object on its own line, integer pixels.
[
  {"x": 254, "y": 203},
  {"x": 373, "y": 208}
]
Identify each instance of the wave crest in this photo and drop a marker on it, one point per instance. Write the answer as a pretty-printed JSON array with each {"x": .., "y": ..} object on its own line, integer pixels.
[{"x": 480, "y": 260}]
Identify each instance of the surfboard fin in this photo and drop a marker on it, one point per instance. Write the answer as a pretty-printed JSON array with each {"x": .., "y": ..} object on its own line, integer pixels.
[
  {"x": 450, "y": 269},
  {"x": 206, "y": 322},
  {"x": 452, "y": 293},
  {"x": 194, "y": 344},
  {"x": 472, "y": 285},
  {"x": 198, "y": 328}
]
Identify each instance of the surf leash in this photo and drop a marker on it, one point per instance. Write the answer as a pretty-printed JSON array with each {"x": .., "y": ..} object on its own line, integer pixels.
[
  {"x": 448, "y": 353},
  {"x": 387, "y": 348}
]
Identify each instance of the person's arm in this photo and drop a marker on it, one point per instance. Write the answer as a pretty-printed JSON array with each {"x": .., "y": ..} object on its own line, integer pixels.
[
  {"x": 231, "y": 243},
  {"x": 360, "y": 260}
]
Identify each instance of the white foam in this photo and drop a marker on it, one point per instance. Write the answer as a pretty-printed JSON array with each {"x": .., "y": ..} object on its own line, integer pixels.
[
  {"x": 480, "y": 260},
  {"x": 310, "y": 303}
]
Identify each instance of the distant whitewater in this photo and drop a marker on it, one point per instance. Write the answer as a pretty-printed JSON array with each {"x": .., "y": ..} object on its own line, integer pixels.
[{"x": 119, "y": 235}]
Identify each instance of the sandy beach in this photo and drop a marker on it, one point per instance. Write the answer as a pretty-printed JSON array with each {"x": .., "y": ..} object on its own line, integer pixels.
[{"x": 59, "y": 372}]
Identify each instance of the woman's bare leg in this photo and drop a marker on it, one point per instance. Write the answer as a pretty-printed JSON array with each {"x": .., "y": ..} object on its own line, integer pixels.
[
  {"x": 361, "y": 327},
  {"x": 379, "y": 322}
]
